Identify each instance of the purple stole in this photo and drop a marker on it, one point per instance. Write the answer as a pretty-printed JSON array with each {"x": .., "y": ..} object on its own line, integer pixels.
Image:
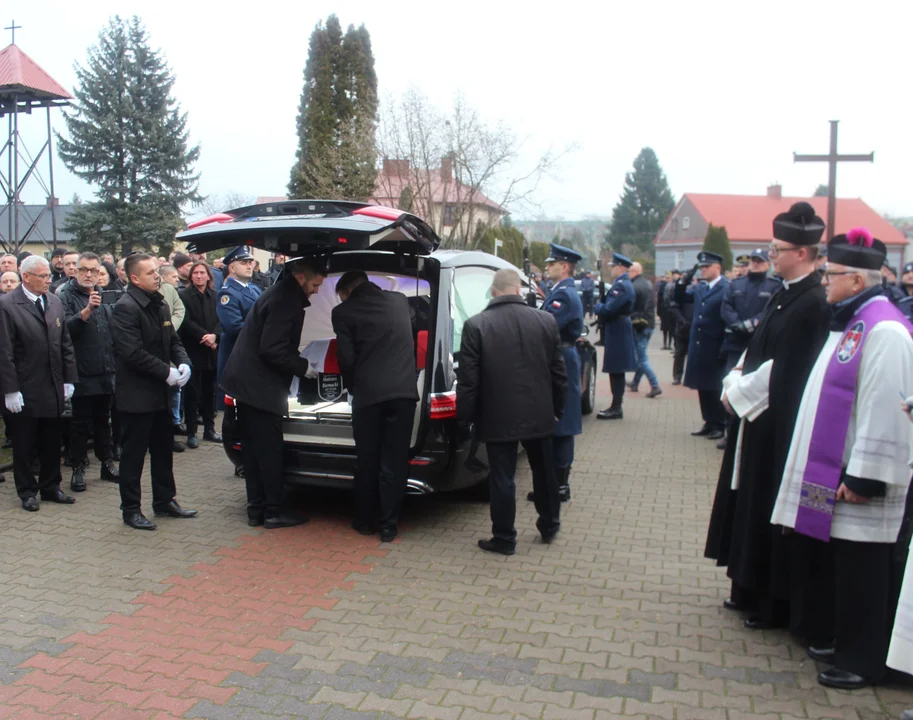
[{"x": 832, "y": 420}]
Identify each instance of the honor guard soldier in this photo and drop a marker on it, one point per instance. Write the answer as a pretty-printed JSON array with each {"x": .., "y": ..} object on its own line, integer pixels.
[
  {"x": 617, "y": 333},
  {"x": 236, "y": 298},
  {"x": 565, "y": 305}
]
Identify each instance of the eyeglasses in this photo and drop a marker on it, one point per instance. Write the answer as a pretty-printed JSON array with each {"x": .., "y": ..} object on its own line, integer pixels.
[
  {"x": 775, "y": 250},
  {"x": 42, "y": 276},
  {"x": 88, "y": 271},
  {"x": 835, "y": 273}
]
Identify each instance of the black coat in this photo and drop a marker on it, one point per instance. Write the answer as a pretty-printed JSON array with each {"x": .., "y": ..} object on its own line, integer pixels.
[
  {"x": 375, "y": 347},
  {"x": 145, "y": 345},
  {"x": 93, "y": 342},
  {"x": 200, "y": 319},
  {"x": 511, "y": 380},
  {"x": 643, "y": 316},
  {"x": 791, "y": 332},
  {"x": 265, "y": 356},
  {"x": 36, "y": 353}
]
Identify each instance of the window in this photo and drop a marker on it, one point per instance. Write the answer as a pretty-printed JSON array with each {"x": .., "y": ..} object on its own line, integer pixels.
[
  {"x": 471, "y": 293},
  {"x": 450, "y": 215},
  {"x": 680, "y": 259},
  {"x": 686, "y": 223}
]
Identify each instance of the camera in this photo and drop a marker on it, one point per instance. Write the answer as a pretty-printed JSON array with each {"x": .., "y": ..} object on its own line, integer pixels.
[{"x": 109, "y": 297}]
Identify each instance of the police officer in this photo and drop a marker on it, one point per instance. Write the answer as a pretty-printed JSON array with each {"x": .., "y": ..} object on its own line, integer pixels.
[
  {"x": 565, "y": 305},
  {"x": 587, "y": 290},
  {"x": 906, "y": 286},
  {"x": 615, "y": 314},
  {"x": 704, "y": 372},
  {"x": 892, "y": 290},
  {"x": 743, "y": 304},
  {"x": 743, "y": 265},
  {"x": 236, "y": 298}
]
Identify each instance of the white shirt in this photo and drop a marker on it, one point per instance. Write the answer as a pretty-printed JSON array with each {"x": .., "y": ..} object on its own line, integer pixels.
[
  {"x": 240, "y": 282},
  {"x": 711, "y": 283},
  {"x": 33, "y": 297}
]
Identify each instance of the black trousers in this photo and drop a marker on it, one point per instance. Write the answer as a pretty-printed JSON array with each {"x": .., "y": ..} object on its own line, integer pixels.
[
  {"x": 200, "y": 396},
  {"x": 142, "y": 432},
  {"x": 382, "y": 436},
  {"x": 617, "y": 384},
  {"x": 261, "y": 454},
  {"x": 564, "y": 451},
  {"x": 712, "y": 409},
  {"x": 33, "y": 435},
  {"x": 94, "y": 410},
  {"x": 679, "y": 357},
  {"x": 811, "y": 591},
  {"x": 587, "y": 300},
  {"x": 502, "y": 460}
]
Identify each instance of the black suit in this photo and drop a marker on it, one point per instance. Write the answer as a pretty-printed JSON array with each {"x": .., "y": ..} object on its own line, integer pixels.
[
  {"x": 36, "y": 359},
  {"x": 512, "y": 383},
  {"x": 200, "y": 320},
  {"x": 146, "y": 345},
  {"x": 258, "y": 375},
  {"x": 376, "y": 353}
]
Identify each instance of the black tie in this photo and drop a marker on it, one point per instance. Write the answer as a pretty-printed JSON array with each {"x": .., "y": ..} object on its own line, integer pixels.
[{"x": 39, "y": 305}]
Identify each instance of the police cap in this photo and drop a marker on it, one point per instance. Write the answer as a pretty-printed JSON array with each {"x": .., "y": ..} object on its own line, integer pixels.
[
  {"x": 708, "y": 258},
  {"x": 623, "y": 260},
  {"x": 563, "y": 254},
  {"x": 239, "y": 253},
  {"x": 760, "y": 254}
]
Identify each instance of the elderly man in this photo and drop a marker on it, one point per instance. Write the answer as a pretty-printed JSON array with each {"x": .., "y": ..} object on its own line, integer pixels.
[
  {"x": 8, "y": 263},
  {"x": 615, "y": 314},
  {"x": 9, "y": 281},
  {"x": 643, "y": 321},
  {"x": 512, "y": 384},
  {"x": 848, "y": 470},
  {"x": 37, "y": 375}
]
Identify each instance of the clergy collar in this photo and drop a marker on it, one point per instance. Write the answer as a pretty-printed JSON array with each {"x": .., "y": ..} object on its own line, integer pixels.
[
  {"x": 843, "y": 311},
  {"x": 789, "y": 283}
]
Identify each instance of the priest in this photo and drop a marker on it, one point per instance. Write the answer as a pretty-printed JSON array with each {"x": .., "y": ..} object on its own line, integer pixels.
[
  {"x": 763, "y": 391},
  {"x": 848, "y": 469}
]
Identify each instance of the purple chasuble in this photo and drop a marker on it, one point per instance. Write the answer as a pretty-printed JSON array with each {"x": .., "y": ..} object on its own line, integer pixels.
[{"x": 832, "y": 420}]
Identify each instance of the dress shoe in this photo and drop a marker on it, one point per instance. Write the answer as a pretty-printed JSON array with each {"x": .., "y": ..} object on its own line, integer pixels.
[
  {"x": 549, "y": 537},
  {"x": 284, "y": 521},
  {"x": 706, "y": 430},
  {"x": 564, "y": 493},
  {"x": 843, "y": 680},
  {"x": 116, "y": 453},
  {"x": 610, "y": 414},
  {"x": 822, "y": 654},
  {"x": 676, "y": 382},
  {"x": 212, "y": 436},
  {"x": 193, "y": 442},
  {"x": 180, "y": 429},
  {"x": 756, "y": 622},
  {"x": 177, "y": 446},
  {"x": 110, "y": 471},
  {"x": 388, "y": 534},
  {"x": 716, "y": 435},
  {"x": 176, "y": 511},
  {"x": 362, "y": 528},
  {"x": 654, "y": 392},
  {"x": 254, "y": 518},
  {"x": 58, "y": 496},
  {"x": 721, "y": 445},
  {"x": 632, "y": 387},
  {"x": 30, "y": 504},
  {"x": 138, "y": 521},
  {"x": 78, "y": 481},
  {"x": 729, "y": 604},
  {"x": 496, "y": 546}
]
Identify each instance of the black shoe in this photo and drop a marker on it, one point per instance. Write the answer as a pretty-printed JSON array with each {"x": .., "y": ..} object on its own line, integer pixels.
[
  {"x": 7, "y": 444},
  {"x": 78, "y": 481},
  {"x": 110, "y": 471},
  {"x": 212, "y": 436},
  {"x": 495, "y": 546},
  {"x": 676, "y": 382},
  {"x": 730, "y": 604},
  {"x": 177, "y": 446},
  {"x": 843, "y": 680},
  {"x": 706, "y": 430},
  {"x": 176, "y": 511},
  {"x": 116, "y": 453},
  {"x": 362, "y": 528},
  {"x": 654, "y": 392},
  {"x": 58, "y": 496},
  {"x": 284, "y": 521},
  {"x": 716, "y": 435},
  {"x": 193, "y": 442},
  {"x": 632, "y": 387},
  {"x": 721, "y": 445},
  {"x": 531, "y": 496},
  {"x": 138, "y": 521},
  {"x": 180, "y": 429},
  {"x": 756, "y": 622},
  {"x": 388, "y": 534},
  {"x": 549, "y": 538},
  {"x": 825, "y": 655},
  {"x": 564, "y": 493},
  {"x": 30, "y": 504},
  {"x": 255, "y": 519},
  {"x": 610, "y": 414}
]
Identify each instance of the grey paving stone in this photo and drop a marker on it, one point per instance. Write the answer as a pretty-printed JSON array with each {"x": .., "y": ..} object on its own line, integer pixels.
[
  {"x": 760, "y": 677},
  {"x": 299, "y": 709},
  {"x": 209, "y": 711},
  {"x": 387, "y": 660},
  {"x": 664, "y": 680},
  {"x": 54, "y": 620},
  {"x": 715, "y": 671},
  {"x": 366, "y": 671},
  {"x": 495, "y": 674},
  {"x": 263, "y": 701},
  {"x": 50, "y": 647},
  {"x": 270, "y": 656},
  {"x": 588, "y": 687},
  {"x": 405, "y": 677},
  {"x": 384, "y": 689},
  {"x": 523, "y": 665},
  {"x": 339, "y": 713},
  {"x": 612, "y": 689},
  {"x": 258, "y": 683}
]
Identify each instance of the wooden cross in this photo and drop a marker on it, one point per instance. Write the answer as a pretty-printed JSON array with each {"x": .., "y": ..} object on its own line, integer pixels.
[
  {"x": 832, "y": 158},
  {"x": 14, "y": 27}
]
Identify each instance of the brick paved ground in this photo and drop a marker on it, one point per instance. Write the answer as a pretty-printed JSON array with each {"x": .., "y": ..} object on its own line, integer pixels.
[{"x": 206, "y": 618}]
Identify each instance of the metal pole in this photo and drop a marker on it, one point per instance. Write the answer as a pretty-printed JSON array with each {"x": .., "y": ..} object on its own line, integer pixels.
[
  {"x": 16, "y": 174},
  {"x": 832, "y": 183},
  {"x": 53, "y": 198},
  {"x": 10, "y": 207}
]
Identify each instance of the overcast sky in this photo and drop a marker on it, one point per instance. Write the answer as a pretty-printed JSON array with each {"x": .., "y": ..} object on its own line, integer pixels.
[{"x": 724, "y": 92}]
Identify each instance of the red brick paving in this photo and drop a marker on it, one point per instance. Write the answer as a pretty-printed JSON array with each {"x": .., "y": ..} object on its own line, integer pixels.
[{"x": 197, "y": 632}]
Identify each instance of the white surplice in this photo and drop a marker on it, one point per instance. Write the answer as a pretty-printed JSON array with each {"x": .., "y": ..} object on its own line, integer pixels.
[
  {"x": 900, "y": 654},
  {"x": 879, "y": 441},
  {"x": 749, "y": 396}
]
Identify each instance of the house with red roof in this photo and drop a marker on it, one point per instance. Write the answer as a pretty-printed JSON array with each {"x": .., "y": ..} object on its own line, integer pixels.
[{"x": 748, "y": 220}]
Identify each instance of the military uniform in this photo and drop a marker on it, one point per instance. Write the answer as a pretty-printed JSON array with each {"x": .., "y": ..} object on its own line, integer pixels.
[
  {"x": 618, "y": 336},
  {"x": 235, "y": 301},
  {"x": 906, "y": 302},
  {"x": 743, "y": 304}
]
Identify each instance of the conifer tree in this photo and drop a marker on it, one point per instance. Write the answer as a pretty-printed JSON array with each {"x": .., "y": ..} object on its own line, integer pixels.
[
  {"x": 645, "y": 203},
  {"x": 717, "y": 241}
]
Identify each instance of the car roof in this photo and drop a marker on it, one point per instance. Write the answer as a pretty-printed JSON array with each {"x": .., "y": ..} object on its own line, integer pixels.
[{"x": 463, "y": 258}]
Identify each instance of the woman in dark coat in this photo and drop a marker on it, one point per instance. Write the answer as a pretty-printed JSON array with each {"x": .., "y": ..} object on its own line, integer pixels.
[{"x": 200, "y": 332}]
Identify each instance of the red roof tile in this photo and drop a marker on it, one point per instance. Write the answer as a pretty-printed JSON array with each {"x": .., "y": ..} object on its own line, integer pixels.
[
  {"x": 749, "y": 218},
  {"x": 18, "y": 72}
]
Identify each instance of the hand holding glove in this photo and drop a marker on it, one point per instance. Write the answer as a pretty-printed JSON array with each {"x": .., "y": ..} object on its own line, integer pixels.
[
  {"x": 350, "y": 399},
  {"x": 14, "y": 402},
  {"x": 184, "y": 371},
  {"x": 174, "y": 375},
  {"x": 68, "y": 390}
]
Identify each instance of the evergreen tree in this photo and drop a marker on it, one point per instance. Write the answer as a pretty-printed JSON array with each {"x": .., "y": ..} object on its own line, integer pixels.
[
  {"x": 717, "y": 241},
  {"x": 337, "y": 116},
  {"x": 644, "y": 205},
  {"x": 128, "y": 138},
  {"x": 821, "y": 191}
]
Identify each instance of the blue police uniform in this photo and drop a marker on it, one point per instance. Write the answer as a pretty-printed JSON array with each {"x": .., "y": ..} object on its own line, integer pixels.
[
  {"x": 620, "y": 355},
  {"x": 743, "y": 304},
  {"x": 906, "y": 302},
  {"x": 235, "y": 301}
]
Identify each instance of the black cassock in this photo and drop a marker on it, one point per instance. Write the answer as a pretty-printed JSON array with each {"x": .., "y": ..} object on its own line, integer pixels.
[{"x": 792, "y": 332}]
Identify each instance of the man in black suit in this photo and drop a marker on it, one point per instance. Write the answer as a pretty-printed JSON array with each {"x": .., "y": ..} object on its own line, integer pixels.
[
  {"x": 376, "y": 353},
  {"x": 146, "y": 345},
  {"x": 258, "y": 375},
  {"x": 512, "y": 382},
  {"x": 37, "y": 375}
]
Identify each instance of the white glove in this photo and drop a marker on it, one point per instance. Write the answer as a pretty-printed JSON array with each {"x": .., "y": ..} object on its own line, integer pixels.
[
  {"x": 14, "y": 402},
  {"x": 184, "y": 370},
  {"x": 68, "y": 390},
  {"x": 351, "y": 399},
  {"x": 174, "y": 375}
]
